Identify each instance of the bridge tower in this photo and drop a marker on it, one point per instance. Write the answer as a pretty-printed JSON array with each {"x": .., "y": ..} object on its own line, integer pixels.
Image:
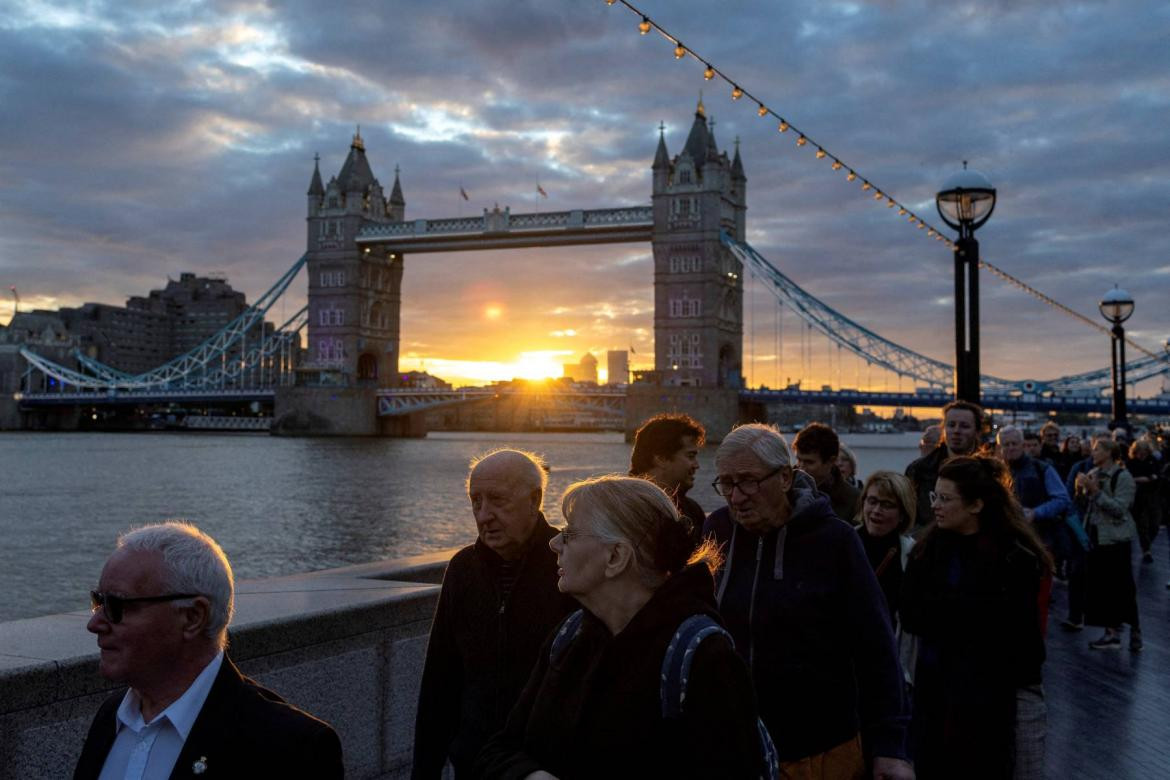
[
  {"x": 698, "y": 285},
  {"x": 355, "y": 297},
  {"x": 698, "y": 282},
  {"x": 354, "y": 294}
]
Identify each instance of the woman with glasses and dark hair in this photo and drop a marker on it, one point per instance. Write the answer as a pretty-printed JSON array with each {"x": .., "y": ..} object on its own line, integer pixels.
[
  {"x": 971, "y": 595},
  {"x": 602, "y": 700}
]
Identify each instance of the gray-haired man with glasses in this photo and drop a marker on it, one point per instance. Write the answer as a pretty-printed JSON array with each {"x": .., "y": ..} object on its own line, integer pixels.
[
  {"x": 801, "y": 602},
  {"x": 161, "y": 612}
]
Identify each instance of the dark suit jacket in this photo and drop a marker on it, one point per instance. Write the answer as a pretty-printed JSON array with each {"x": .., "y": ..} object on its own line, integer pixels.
[{"x": 243, "y": 731}]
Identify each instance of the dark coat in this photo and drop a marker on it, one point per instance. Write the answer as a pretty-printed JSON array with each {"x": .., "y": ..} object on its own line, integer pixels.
[
  {"x": 482, "y": 649},
  {"x": 243, "y": 731},
  {"x": 806, "y": 612},
  {"x": 598, "y": 711},
  {"x": 974, "y": 608}
]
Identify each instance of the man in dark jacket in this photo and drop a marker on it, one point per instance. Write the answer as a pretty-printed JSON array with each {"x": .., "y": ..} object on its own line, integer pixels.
[
  {"x": 817, "y": 447},
  {"x": 806, "y": 612},
  {"x": 962, "y": 423},
  {"x": 666, "y": 452},
  {"x": 498, "y": 603},
  {"x": 161, "y": 614}
]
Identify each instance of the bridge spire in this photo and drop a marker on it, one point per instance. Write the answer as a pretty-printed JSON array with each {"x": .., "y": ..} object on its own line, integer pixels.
[
  {"x": 315, "y": 187},
  {"x": 396, "y": 198},
  {"x": 661, "y": 158}
]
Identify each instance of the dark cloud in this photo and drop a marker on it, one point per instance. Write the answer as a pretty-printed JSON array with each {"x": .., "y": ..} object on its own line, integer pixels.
[{"x": 142, "y": 140}]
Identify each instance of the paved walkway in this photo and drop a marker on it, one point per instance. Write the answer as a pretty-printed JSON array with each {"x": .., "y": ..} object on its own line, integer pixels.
[{"x": 1109, "y": 710}]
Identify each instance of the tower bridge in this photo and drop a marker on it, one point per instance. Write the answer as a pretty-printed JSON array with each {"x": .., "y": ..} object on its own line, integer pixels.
[{"x": 357, "y": 242}]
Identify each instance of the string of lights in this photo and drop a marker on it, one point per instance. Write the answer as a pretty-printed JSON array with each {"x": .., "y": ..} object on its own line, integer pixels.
[
  {"x": 646, "y": 25},
  {"x": 1059, "y": 306}
]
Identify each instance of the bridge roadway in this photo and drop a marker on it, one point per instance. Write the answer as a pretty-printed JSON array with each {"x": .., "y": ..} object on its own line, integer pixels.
[
  {"x": 501, "y": 229},
  {"x": 397, "y": 402}
]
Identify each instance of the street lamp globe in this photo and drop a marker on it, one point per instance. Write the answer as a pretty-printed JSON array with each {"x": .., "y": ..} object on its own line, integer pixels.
[
  {"x": 1116, "y": 306},
  {"x": 966, "y": 200}
]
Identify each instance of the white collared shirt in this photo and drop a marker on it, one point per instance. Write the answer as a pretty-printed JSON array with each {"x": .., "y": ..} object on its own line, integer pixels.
[{"x": 148, "y": 751}]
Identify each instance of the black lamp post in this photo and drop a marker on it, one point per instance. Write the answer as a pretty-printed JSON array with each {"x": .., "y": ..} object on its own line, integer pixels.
[
  {"x": 1116, "y": 307},
  {"x": 965, "y": 203}
]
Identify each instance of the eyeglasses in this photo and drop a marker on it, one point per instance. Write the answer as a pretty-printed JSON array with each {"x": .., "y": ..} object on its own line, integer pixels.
[
  {"x": 872, "y": 503},
  {"x": 567, "y": 535},
  {"x": 749, "y": 487},
  {"x": 940, "y": 498},
  {"x": 112, "y": 606}
]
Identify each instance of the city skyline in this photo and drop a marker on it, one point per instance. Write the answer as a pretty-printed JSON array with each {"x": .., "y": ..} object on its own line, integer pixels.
[{"x": 146, "y": 142}]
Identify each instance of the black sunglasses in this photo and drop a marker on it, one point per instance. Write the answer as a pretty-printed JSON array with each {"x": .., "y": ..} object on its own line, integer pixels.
[{"x": 112, "y": 605}]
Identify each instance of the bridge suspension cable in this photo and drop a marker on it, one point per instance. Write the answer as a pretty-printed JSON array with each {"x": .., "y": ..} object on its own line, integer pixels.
[
  {"x": 875, "y": 349},
  {"x": 192, "y": 369}
]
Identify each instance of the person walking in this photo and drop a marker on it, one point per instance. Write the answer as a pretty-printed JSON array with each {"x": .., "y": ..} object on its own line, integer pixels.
[
  {"x": 971, "y": 597},
  {"x": 1105, "y": 495}
]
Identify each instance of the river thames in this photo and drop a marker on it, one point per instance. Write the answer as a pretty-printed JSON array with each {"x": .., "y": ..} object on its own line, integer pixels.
[{"x": 278, "y": 506}]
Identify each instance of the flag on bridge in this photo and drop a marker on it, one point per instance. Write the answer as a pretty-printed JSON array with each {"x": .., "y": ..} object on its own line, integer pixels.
[
  {"x": 463, "y": 192},
  {"x": 541, "y": 190}
]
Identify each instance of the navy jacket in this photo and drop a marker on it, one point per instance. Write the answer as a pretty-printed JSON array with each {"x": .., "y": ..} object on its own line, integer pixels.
[{"x": 809, "y": 617}]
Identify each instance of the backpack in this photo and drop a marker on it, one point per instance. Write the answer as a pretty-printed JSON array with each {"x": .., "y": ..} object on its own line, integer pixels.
[{"x": 676, "y": 670}]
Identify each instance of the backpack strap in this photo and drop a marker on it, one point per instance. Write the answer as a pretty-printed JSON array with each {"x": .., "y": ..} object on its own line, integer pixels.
[
  {"x": 680, "y": 654},
  {"x": 676, "y": 670},
  {"x": 569, "y": 630}
]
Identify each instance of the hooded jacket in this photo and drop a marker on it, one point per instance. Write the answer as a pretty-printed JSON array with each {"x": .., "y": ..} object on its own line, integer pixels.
[
  {"x": 597, "y": 710},
  {"x": 810, "y": 619}
]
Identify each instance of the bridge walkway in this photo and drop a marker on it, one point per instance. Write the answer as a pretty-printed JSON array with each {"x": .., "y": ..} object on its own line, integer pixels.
[{"x": 1109, "y": 710}]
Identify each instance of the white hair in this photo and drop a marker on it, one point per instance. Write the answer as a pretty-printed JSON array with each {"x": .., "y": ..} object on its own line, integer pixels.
[
  {"x": 528, "y": 468},
  {"x": 1008, "y": 430},
  {"x": 194, "y": 563},
  {"x": 760, "y": 439}
]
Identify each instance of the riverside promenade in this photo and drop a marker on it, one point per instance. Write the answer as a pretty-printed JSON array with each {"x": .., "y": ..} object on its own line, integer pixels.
[{"x": 347, "y": 644}]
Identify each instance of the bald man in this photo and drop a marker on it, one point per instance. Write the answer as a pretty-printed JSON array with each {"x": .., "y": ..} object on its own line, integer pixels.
[{"x": 498, "y": 603}]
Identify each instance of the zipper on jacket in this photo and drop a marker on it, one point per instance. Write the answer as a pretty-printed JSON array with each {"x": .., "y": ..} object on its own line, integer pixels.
[{"x": 752, "y": 606}]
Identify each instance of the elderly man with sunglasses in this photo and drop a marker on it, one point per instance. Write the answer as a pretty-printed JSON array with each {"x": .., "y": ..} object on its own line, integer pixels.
[
  {"x": 805, "y": 611},
  {"x": 160, "y": 613}
]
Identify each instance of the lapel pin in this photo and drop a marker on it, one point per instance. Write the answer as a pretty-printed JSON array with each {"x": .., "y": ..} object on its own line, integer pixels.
[{"x": 200, "y": 766}]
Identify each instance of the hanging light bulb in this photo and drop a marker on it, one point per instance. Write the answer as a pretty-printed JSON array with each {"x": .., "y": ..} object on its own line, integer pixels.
[
  {"x": 801, "y": 141},
  {"x": 865, "y": 185},
  {"x": 644, "y": 26},
  {"x": 820, "y": 153},
  {"x": 709, "y": 73},
  {"x": 890, "y": 203},
  {"x": 878, "y": 195},
  {"x": 836, "y": 165},
  {"x": 762, "y": 110},
  {"x": 901, "y": 212},
  {"x": 851, "y": 176},
  {"x": 921, "y": 225},
  {"x": 680, "y": 51},
  {"x": 736, "y": 92},
  {"x": 610, "y": 2},
  {"x": 783, "y": 128},
  {"x": 930, "y": 233}
]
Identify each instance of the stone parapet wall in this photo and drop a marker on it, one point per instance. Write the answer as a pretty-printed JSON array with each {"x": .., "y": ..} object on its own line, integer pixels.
[{"x": 344, "y": 644}]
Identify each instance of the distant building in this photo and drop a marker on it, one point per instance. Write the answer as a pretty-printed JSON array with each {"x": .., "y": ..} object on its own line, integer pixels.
[
  {"x": 149, "y": 331},
  {"x": 618, "y": 364},
  {"x": 421, "y": 380},
  {"x": 44, "y": 333},
  {"x": 585, "y": 371}
]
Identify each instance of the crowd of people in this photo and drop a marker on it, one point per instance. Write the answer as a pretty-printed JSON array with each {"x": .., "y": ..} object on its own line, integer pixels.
[{"x": 813, "y": 626}]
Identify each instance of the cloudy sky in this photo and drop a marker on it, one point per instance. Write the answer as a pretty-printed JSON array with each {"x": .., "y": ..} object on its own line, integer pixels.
[{"x": 141, "y": 139}]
